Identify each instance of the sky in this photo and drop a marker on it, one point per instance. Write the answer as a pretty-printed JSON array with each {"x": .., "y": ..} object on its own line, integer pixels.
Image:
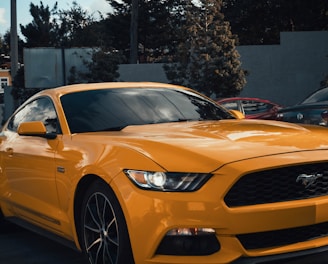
[{"x": 23, "y": 10}]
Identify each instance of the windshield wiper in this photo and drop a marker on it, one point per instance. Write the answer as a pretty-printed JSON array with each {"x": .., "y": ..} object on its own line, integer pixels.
[
  {"x": 118, "y": 128},
  {"x": 182, "y": 120}
]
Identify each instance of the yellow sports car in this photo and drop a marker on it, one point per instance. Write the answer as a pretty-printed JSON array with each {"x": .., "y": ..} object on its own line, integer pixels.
[{"x": 152, "y": 173}]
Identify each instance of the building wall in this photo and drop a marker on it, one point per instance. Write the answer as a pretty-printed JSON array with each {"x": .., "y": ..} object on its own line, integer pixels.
[
  {"x": 288, "y": 72},
  {"x": 284, "y": 73},
  {"x": 5, "y": 79}
]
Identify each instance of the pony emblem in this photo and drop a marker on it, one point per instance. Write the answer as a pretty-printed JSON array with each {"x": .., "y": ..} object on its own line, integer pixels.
[{"x": 308, "y": 179}]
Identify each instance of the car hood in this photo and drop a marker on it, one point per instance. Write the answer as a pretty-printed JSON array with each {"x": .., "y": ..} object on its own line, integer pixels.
[{"x": 207, "y": 145}]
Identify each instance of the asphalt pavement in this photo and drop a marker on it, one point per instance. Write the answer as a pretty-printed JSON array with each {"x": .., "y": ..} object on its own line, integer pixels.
[{"x": 20, "y": 246}]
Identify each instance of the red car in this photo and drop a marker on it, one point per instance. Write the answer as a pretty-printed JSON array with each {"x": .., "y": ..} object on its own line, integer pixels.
[{"x": 252, "y": 108}]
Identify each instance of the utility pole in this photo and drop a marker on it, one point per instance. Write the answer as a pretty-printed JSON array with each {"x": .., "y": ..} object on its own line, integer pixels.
[
  {"x": 9, "y": 102},
  {"x": 13, "y": 40},
  {"x": 134, "y": 32}
]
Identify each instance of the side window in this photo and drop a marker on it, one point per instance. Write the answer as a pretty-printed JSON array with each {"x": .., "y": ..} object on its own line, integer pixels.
[
  {"x": 4, "y": 82},
  {"x": 231, "y": 105},
  {"x": 255, "y": 107},
  {"x": 40, "y": 109}
]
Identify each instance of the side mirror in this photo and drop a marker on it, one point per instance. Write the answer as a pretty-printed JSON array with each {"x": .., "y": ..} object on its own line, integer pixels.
[
  {"x": 237, "y": 114},
  {"x": 34, "y": 128}
]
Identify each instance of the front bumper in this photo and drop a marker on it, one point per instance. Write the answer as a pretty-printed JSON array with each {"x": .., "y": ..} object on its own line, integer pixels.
[
  {"x": 313, "y": 256},
  {"x": 150, "y": 215}
]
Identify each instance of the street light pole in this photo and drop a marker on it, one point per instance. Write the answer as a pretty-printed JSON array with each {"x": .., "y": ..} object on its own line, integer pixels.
[
  {"x": 13, "y": 40},
  {"x": 134, "y": 33}
]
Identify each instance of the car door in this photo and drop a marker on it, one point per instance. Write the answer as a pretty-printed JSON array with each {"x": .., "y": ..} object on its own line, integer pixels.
[{"x": 29, "y": 167}]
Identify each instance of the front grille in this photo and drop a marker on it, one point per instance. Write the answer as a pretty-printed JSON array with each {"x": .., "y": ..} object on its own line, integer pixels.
[
  {"x": 283, "y": 237},
  {"x": 278, "y": 185}
]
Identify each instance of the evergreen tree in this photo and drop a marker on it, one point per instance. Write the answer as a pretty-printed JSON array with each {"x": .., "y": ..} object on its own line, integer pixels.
[
  {"x": 78, "y": 28},
  {"x": 41, "y": 32},
  {"x": 74, "y": 27},
  {"x": 157, "y": 25},
  {"x": 4, "y": 47},
  {"x": 207, "y": 59},
  {"x": 260, "y": 22}
]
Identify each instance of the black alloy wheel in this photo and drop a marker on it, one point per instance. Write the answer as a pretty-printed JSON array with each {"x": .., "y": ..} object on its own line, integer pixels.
[{"x": 104, "y": 234}]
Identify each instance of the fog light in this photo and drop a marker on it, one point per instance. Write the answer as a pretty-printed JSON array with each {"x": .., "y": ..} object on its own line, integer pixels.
[
  {"x": 189, "y": 242},
  {"x": 190, "y": 231}
]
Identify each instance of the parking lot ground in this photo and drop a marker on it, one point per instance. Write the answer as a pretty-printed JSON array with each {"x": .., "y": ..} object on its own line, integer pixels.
[{"x": 20, "y": 246}]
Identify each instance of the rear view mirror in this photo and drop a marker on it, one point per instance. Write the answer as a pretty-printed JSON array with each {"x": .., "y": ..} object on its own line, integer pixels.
[
  {"x": 237, "y": 114},
  {"x": 34, "y": 128}
]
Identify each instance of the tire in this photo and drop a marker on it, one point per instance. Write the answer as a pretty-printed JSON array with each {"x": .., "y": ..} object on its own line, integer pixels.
[{"x": 103, "y": 231}]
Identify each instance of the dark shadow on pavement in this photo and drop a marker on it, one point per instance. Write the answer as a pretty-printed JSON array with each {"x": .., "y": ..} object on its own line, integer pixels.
[{"x": 20, "y": 246}]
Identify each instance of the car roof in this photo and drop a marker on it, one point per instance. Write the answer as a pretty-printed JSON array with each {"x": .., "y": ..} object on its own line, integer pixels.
[
  {"x": 243, "y": 98},
  {"x": 106, "y": 85}
]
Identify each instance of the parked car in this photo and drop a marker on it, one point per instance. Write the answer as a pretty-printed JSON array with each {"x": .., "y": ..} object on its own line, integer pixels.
[
  {"x": 155, "y": 173},
  {"x": 312, "y": 110},
  {"x": 252, "y": 108}
]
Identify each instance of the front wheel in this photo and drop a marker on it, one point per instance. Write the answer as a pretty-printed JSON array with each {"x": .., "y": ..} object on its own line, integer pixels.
[{"x": 104, "y": 234}]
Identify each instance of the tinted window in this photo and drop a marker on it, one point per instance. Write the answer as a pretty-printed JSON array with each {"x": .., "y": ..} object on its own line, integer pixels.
[
  {"x": 231, "y": 105},
  {"x": 113, "y": 109},
  {"x": 255, "y": 107},
  {"x": 40, "y": 109}
]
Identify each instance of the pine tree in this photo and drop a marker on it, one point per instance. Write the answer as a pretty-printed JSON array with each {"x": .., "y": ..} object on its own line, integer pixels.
[
  {"x": 207, "y": 59},
  {"x": 41, "y": 32},
  {"x": 76, "y": 27},
  {"x": 260, "y": 22}
]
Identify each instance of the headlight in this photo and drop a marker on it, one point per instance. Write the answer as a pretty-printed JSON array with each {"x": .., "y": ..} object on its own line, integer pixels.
[
  {"x": 280, "y": 117},
  {"x": 168, "y": 181}
]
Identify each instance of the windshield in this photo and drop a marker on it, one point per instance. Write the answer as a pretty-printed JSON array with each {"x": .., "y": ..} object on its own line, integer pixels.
[
  {"x": 318, "y": 96},
  {"x": 114, "y": 109}
]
